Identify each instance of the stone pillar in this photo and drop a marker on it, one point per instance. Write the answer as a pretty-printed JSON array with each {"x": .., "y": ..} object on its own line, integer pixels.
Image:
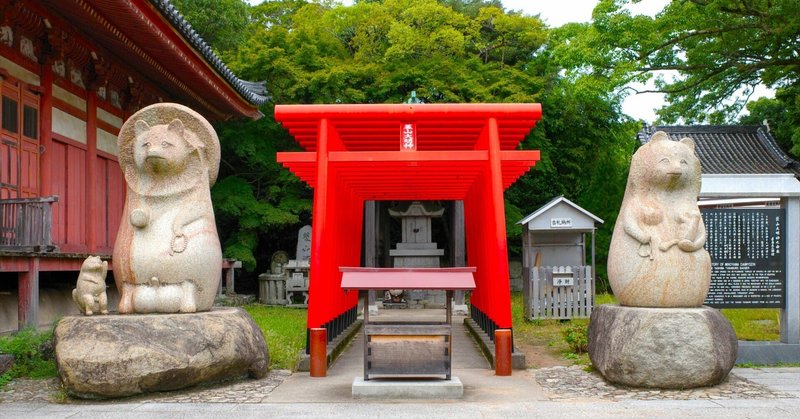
[{"x": 790, "y": 314}]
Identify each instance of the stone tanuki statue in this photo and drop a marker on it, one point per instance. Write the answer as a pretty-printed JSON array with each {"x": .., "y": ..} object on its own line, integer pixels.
[
  {"x": 167, "y": 256},
  {"x": 657, "y": 257},
  {"x": 90, "y": 291},
  {"x": 661, "y": 335}
]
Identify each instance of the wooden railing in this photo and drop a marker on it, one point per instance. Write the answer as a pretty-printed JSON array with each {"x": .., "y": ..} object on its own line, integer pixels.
[{"x": 26, "y": 224}]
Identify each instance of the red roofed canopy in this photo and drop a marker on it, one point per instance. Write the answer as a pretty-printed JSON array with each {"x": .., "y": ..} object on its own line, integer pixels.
[{"x": 356, "y": 153}]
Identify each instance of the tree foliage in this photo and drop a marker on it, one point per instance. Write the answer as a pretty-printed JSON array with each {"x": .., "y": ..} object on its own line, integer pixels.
[
  {"x": 221, "y": 23},
  {"x": 782, "y": 114},
  {"x": 706, "y": 55}
]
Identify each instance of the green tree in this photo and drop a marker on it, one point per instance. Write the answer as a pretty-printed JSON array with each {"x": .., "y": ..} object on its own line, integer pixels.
[
  {"x": 782, "y": 115},
  {"x": 221, "y": 23},
  {"x": 717, "y": 50}
]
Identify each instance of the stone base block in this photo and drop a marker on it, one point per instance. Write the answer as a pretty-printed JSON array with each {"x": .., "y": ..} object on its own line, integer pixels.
[
  {"x": 768, "y": 353},
  {"x": 117, "y": 356},
  {"x": 408, "y": 389},
  {"x": 671, "y": 348}
]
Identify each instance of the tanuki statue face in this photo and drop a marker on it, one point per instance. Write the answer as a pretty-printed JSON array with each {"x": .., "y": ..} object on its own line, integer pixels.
[{"x": 161, "y": 149}]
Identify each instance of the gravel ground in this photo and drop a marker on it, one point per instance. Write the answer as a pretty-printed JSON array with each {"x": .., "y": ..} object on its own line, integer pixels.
[{"x": 563, "y": 383}]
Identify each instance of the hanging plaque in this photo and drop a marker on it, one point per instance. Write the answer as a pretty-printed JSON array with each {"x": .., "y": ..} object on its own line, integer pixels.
[{"x": 408, "y": 137}]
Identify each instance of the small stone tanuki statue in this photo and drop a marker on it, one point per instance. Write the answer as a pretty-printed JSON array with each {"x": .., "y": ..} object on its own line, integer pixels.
[
  {"x": 90, "y": 291},
  {"x": 657, "y": 257},
  {"x": 167, "y": 256}
]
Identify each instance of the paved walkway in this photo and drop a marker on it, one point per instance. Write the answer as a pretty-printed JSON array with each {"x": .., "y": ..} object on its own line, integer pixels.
[{"x": 551, "y": 392}]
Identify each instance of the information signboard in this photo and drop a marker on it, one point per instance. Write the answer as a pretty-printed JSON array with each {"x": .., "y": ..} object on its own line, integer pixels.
[{"x": 747, "y": 248}]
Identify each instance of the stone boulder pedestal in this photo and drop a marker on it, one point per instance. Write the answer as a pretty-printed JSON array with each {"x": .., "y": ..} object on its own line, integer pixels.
[
  {"x": 671, "y": 348},
  {"x": 123, "y": 355}
]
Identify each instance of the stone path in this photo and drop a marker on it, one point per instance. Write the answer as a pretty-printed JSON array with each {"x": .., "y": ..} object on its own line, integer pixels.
[{"x": 558, "y": 383}]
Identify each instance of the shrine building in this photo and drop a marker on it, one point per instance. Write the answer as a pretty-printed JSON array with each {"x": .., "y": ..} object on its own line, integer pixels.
[
  {"x": 71, "y": 72},
  {"x": 356, "y": 154}
]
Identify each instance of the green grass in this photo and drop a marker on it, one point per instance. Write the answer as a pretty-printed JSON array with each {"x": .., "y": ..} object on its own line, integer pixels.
[
  {"x": 30, "y": 360},
  {"x": 284, "y": 329},
  {"x": 545, "y": 332},
  {"x": 754, "y": 323},
  {"x": 748, "y": 323}
]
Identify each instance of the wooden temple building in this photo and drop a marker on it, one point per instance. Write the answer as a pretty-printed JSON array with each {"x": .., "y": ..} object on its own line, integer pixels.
[{"x": 71, "y": 72}]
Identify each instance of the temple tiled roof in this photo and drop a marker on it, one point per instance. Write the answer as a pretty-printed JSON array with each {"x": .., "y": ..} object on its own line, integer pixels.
[
  {"x": 254, "y": 92},
  {"x": 731, "y": 149}
]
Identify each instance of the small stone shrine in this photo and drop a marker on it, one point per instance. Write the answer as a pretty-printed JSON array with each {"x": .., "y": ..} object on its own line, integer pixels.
[
  {"x": 167, "y": 262},
  {"x": 416, "y": 250},
  {"x": 297, "y": 270},
  {"x": 661, "y": 335}
]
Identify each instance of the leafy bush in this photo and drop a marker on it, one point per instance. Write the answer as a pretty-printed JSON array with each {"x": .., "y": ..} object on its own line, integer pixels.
[
  {"x": 577, "y": 337},
  {"x": 33, "y": 355}
]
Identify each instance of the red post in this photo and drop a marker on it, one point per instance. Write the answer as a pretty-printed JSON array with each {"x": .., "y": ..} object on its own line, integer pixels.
[
  {"x": 502, "y": 352},
  {"x": 318, "y": 349}
]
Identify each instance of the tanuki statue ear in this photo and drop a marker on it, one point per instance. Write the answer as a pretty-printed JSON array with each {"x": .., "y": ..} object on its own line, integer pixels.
[
  {"x": 688, "y": 141},
  {"x": 176, "y": 127},
  {"x": 659, "y": 136},
  {"x": 141, "y": 127}
]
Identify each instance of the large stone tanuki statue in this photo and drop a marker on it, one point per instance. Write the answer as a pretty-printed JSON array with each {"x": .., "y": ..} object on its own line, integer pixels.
[
  {"x": 661, "y": 336},
  {"x": 167, "y": 256},
  {"x": 657, "y": 257}
]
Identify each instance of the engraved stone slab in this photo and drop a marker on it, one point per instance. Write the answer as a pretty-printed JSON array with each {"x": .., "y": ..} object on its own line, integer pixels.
[{"x": 303, "y": 244}]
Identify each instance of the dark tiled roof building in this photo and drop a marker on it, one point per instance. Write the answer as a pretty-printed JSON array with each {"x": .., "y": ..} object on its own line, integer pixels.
[{"x": 731, "y": 149}]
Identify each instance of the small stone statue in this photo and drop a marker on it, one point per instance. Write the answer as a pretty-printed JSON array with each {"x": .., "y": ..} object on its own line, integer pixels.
[
  {"x": 167, "y": 256},
  {"x": 656, "y": 258},
  {"x": 279, "y": 260},
  {"x": 90, "y": 291}
]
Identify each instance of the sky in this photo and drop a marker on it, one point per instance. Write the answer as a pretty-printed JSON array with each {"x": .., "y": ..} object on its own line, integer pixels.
[{"x": 558, "y": 12}]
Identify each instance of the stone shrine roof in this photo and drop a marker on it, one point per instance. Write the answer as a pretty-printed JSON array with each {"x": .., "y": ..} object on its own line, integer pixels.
[{"x": 731, "y": 149}]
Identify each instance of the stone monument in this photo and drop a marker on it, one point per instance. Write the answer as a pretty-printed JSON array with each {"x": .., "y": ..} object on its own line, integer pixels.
[
  {"x": 661, "y": 335},
  {"x": 167, "y": 255},
  {"x": 167, "y": 260},
  {"x": 297, "y": 269},
  {"x": 416, "y": 250}
]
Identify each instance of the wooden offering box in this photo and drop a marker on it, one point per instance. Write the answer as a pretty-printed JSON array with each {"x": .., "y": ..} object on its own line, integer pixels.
[{"x": 408, "y": 349}]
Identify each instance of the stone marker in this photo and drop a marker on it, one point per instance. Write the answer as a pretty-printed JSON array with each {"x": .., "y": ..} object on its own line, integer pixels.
[
  {"x": 659, "y": 271},
  {"x": 656, "y": 258},
  {"x": 167, "y": 257},
  {"x": 117, "y": 356},
  {"x": 90, "y": 291},
  {"x": 303, "y": 251}
]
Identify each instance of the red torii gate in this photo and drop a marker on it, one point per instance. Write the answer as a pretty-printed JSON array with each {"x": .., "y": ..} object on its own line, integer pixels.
[{"x": 356, "y": 153}]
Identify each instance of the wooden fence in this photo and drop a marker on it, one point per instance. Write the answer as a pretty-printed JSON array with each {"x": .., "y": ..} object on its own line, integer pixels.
[
  {"x": 26, "y": 224},
  {"x": 560, "y": 292}
]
